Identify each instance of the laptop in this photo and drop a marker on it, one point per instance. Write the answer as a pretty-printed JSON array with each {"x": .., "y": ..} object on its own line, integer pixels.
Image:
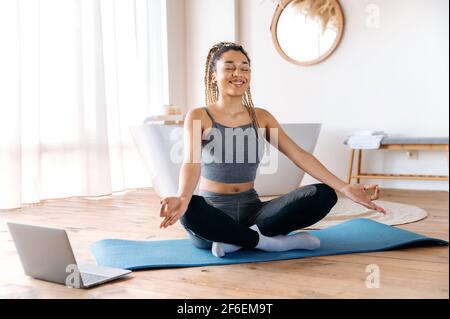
[{"x": 46, "y": 254}]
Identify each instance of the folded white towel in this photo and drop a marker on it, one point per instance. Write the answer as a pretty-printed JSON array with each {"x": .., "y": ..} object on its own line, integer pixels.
[
  {"x": 367, "y": 133},
  {"x": 366, "y": 140}
]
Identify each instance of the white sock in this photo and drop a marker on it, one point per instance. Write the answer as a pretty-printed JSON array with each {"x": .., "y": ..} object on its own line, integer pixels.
[
  {"x": 301, "y": 240},
  {"x": 220, "y": 249}
]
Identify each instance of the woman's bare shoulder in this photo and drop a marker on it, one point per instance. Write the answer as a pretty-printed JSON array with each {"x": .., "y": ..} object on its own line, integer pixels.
[
  {"x": 260, "y": 111},
  {"x": 264, "y": 116},
  {"x": 196, "y": 113}
]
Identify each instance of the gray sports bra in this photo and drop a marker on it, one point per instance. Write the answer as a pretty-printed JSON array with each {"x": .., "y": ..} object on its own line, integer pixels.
[{"x": 231, "y": 154}]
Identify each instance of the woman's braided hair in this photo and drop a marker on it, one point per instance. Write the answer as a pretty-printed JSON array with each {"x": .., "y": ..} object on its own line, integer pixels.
[{"x": 211, "y": 89}]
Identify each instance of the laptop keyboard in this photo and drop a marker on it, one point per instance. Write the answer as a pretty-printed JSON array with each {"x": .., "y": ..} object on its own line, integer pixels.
[{"x": 91, "y": 278}]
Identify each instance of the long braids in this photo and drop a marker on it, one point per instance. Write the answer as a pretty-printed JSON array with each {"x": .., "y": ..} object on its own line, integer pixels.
[{"x": 211, "y": 89}]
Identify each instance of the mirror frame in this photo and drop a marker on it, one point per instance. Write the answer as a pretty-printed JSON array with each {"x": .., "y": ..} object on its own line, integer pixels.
[{"x": 273, "y": 29}]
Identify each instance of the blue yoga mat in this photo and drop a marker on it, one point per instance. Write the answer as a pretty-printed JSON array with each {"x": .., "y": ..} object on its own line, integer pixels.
[{"x": 353, "y": 236}]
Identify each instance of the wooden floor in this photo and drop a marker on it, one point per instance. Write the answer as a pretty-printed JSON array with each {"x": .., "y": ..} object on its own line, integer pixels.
[{"x": 406, "y": 273}]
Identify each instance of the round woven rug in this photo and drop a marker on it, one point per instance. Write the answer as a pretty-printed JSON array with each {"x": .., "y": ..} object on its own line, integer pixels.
[{"x": 396, "y": 213}]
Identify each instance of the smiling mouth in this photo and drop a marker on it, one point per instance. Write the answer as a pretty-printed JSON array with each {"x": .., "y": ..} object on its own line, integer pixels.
[{"x": 237, "y": 83}]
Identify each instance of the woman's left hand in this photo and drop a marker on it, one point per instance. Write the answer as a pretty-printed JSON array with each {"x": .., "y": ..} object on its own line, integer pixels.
[{"x": 357, "y": 193}]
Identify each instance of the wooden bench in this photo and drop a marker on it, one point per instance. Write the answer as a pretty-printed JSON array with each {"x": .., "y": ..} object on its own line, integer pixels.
[{"x": 408, "y": 144}]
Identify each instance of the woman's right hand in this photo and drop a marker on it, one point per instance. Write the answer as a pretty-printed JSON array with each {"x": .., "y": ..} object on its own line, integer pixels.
[{"x": 172, "y": 208}]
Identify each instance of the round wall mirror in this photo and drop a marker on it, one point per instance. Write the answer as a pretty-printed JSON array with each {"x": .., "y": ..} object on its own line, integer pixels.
[{"x": 306, "y": 32}]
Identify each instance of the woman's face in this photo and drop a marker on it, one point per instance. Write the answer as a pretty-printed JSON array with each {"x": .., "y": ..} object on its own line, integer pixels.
[{"x": 232, "y": 73}]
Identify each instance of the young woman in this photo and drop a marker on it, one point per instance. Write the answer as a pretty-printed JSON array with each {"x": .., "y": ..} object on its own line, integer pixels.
[{"x": 228, "y": 215}]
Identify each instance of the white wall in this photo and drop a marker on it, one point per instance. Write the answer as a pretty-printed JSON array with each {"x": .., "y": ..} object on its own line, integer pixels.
[
  {"x": 392, "y": 78},
  {"x": 207, "y": 22}
]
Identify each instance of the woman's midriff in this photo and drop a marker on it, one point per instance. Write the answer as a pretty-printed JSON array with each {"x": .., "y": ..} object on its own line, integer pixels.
[{"x": 223, "y": 188}]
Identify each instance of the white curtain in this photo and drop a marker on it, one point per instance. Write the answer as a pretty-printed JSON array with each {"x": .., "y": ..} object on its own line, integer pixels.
[{"x": 74, "y": 75}]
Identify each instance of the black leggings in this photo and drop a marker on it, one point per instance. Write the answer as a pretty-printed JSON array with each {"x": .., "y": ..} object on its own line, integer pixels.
[{"x": 213, "y": 217}]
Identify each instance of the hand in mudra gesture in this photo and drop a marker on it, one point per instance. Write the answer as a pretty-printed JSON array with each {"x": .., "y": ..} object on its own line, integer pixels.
[
  {"x": 357, "y": 193},
  {"x": 172, "y": 208}
]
